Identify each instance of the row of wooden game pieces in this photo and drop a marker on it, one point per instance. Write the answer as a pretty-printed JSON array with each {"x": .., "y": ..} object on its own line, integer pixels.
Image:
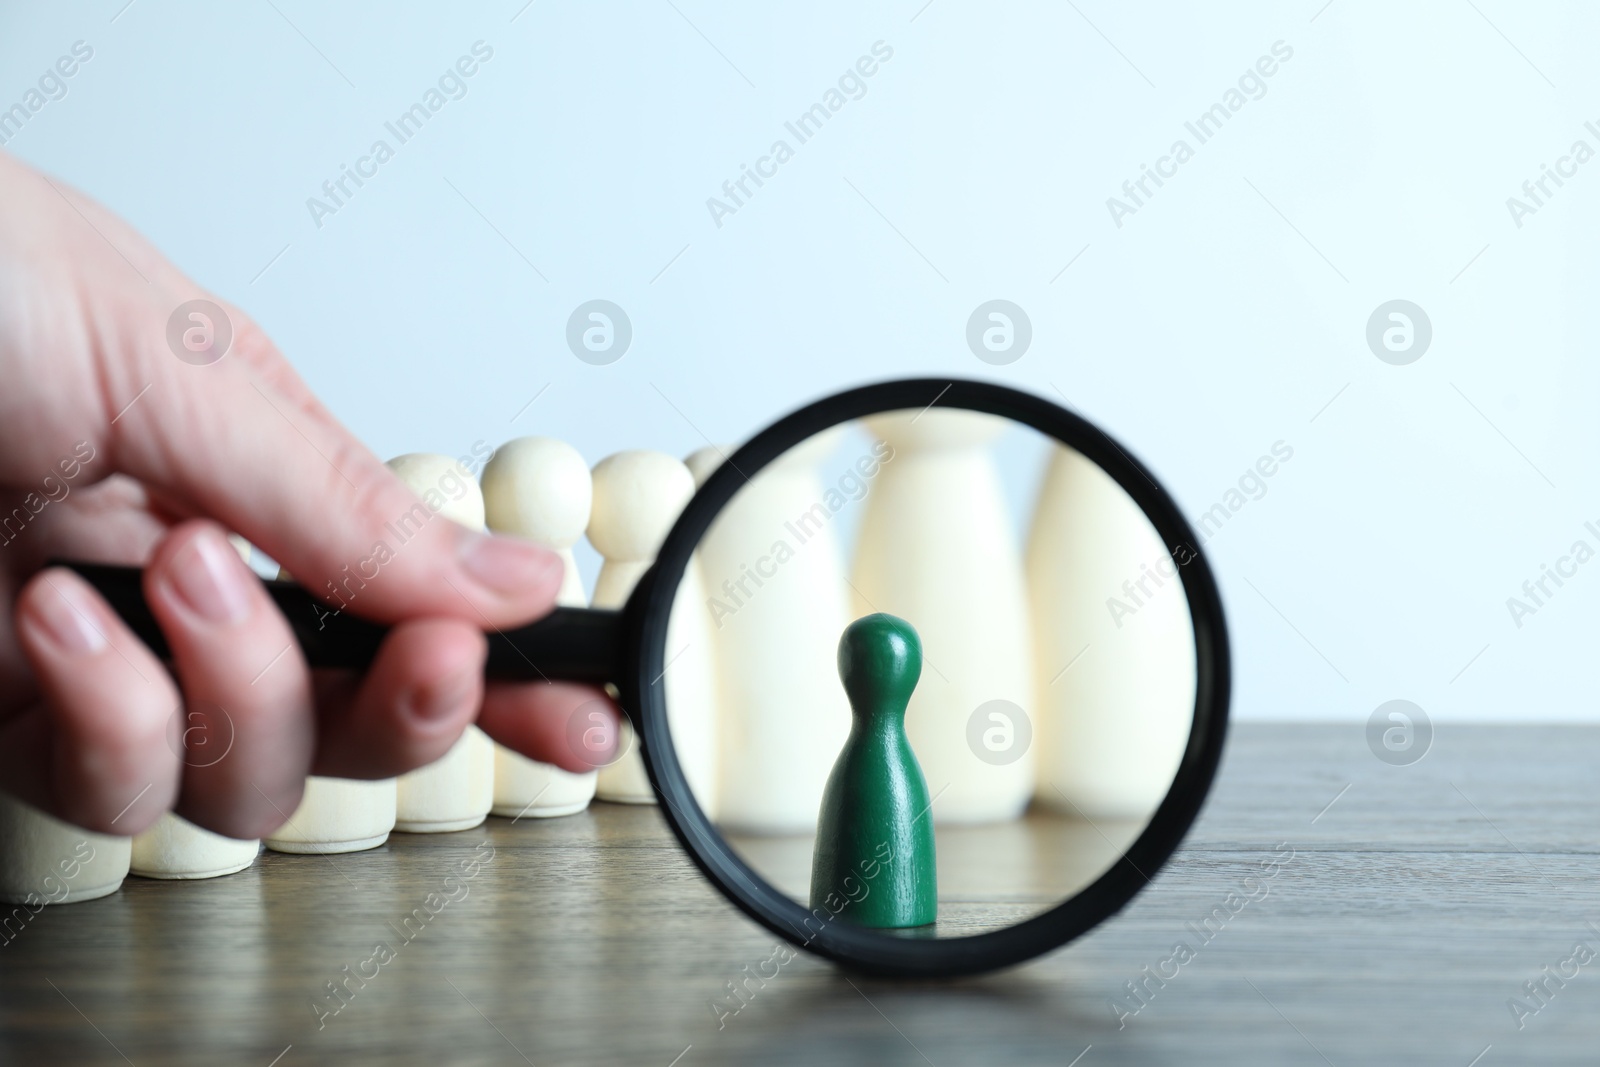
[{"x": 534, "y": 487}]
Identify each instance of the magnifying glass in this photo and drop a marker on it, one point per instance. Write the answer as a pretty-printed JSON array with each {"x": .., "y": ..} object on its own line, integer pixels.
[{"x": 929, "y": 677}]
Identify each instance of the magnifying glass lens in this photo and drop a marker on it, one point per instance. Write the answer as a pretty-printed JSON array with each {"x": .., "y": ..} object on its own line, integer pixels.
[{"x": 930, "y": 673}]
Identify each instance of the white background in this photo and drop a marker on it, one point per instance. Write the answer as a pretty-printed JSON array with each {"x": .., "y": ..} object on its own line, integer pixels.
[{"x": 1227, "y": 314}]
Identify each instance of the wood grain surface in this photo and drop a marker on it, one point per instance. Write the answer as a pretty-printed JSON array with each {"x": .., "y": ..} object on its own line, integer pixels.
[{"x": 1408, "y": 907}]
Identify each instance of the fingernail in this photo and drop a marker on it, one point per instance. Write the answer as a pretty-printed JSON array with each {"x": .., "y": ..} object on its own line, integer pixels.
[
  {"x": 68, "y": 616},
  {"x": 507, "y": 564},
  {"x": 205, "y": 575},
  {"x": 431, "y": 703}
]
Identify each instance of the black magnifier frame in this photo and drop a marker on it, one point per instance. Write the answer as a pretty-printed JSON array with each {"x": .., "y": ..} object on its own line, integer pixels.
[
  {"x": 628, "y": 647},
  {"x": 862, "y": 949}
]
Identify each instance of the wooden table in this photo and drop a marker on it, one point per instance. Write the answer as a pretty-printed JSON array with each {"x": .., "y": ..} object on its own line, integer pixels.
[{"x": 1410, "y": 905}]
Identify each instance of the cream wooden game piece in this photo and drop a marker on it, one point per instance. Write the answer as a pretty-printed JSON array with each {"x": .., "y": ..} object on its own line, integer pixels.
[
  {"x": 338, "y": 815},
  {"x": 1107, "y": 599},
  {"x": 46, "y": 861},
  {"x": 937, "y": 549},
  {"x": 539, "y": 488},
  {"x": 774, "y": 577},
  {"x": 455, "y": 791},
  {"x": 703, "y": 461},
  {"x": 444, "y": 485},
  {"x": 637, "y": 496},
  {"x": 690, "y": 678},
  {"x": 176, "y": 848},
  {"x": 693, "y": 687}
]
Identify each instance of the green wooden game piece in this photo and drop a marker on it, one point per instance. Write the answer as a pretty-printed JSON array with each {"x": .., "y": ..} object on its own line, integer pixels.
[{"x": 873, "y": 862}]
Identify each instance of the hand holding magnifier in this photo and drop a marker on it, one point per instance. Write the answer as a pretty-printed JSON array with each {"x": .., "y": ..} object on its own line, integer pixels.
[{"x": 1066, "y": 747}]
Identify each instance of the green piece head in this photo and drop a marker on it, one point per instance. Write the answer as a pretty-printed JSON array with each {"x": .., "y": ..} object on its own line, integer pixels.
[{"x": 880, "y": 660}]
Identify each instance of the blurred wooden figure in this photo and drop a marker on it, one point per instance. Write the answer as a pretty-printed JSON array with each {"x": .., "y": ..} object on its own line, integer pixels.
[
  {"x": 540, "y": 489},
  {"x": 1116, "y": 667},
  {"x": 337, "y": 815},
  {"x": 178, "y": 849},
  {"x": 175, "y": 847},
  {"x": 637, "y": 497},
  {"x": 455, "y": 791},
  {"x": 937, "y": 548},
  {"x": 692, "y": 678},
  {"x": 774, "y": 577},
  {"x": 46, "y": 861}
]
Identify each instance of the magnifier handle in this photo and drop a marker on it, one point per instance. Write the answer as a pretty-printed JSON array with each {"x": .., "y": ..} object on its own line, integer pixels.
[{"x": 569, "y": 644}]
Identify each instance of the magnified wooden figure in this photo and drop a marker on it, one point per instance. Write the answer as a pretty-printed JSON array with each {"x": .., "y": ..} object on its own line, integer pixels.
[{"x": 874, "y": 859}]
